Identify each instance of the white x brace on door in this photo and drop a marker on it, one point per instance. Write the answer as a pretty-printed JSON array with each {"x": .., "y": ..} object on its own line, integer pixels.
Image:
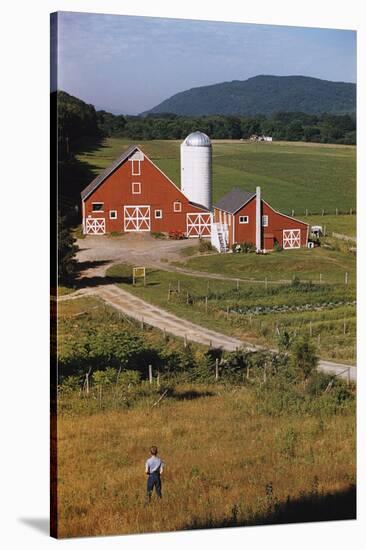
[
  {"x": 137, "y": 218},
  {"x": 95, "y": 226},
  {"x": 198, "y": 225},
  {"x": 291, "y": 238}
]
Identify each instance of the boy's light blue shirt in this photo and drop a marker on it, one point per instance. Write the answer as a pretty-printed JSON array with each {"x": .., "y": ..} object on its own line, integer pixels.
[{"x": 154, "y": 464}]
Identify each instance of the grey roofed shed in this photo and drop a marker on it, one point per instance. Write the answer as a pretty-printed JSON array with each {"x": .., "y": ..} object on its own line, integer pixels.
[
  {"x": 103, "y": 175},
  {"x": 234, "y": 200}
]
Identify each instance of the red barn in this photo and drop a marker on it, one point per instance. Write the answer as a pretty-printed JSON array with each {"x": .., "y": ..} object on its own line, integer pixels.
[
  {"x": 241, "y": 216},
  {"x": 133, "y": 194}
]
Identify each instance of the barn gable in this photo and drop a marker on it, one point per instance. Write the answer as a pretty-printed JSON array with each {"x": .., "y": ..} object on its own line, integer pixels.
[{"x": 133, "y": 194}]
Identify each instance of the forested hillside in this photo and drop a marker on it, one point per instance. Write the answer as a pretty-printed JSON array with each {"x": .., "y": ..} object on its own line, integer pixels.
[{"x": 263, "y": 95}]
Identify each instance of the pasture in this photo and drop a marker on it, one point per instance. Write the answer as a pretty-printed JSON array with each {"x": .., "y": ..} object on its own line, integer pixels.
[
  {"x": 293, "y": 176},
  {"x": 298, "y": 465}
]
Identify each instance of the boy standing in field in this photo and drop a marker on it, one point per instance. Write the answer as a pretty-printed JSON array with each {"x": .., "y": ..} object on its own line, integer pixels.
[{"x": 153, "y": 469}]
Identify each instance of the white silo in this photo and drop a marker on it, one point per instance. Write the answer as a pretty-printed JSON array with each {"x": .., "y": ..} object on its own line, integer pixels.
[{"x": 196, "y": 168}]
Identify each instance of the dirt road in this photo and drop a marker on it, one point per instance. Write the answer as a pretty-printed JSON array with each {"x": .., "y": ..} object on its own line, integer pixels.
[{"x": 144, "y": 312}]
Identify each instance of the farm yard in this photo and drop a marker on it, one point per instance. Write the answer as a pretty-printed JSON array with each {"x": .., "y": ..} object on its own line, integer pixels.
[
  {"x": 288, "y": 455},
  {"x": 285, "y": 435}
]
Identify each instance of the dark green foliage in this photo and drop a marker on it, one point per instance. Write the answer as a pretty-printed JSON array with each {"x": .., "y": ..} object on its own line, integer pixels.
[
  {"x": 281, "y": 126},
  {"x": 303, "y": 357},
  {"x": 263, "y": 94},
  {"x": 205, "y": 245},
  {"x": 66, "y": 250},
  {"x": 76, "y": 121}
]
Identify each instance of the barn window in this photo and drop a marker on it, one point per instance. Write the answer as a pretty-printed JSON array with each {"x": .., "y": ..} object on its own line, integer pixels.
[
  {"x": 136, "y": 167},
  {"x": 97, "y": 206},
  {"x": 177, "y": 206},
  {"x": 136, "y": 188},
  {"x": 113, "y": 214},
  {"x": 243, "y": 219},
  {"x": 158, "y": 214},
  {"x": 265, "y": 221}
]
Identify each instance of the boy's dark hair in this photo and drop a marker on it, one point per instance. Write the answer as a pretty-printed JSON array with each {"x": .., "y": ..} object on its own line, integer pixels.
[{"x": 154, "y": 450}]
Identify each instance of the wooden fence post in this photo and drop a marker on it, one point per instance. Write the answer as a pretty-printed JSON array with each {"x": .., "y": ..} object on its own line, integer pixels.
[
  {"x": 185, "y": 341},
  {"x": 323, "y": 212},
  {"x": 248, "y": 369},
  {"x": 208, "y": 287},
  {"x": 187, "y": 298},
  {"x": 178, "y": 287},
  {"x": 310, "y": 330},
  {"x": 150, "y": 374},
  {"x": 169, "y": 290},
  {"x": 320, "y": 277},
  {"x": 142, "y": 323},
  {"x": 293, "y": 213},
  {"x": 349, "y": 376},
  {"x": 336, "y": 211},
  {"x": 158, "y": 380},
  {"x": 237, "y": 284},
  {"x": 100, "y": 396},
  {"x": 319, "y": 339},
  {"x": 206, "y": 304},
  {"x": 306, "y": 212},
  {"x": 346, "y": 278},
  {"x": 266, "y": 283},
  {"x": 217, "y": 368}
]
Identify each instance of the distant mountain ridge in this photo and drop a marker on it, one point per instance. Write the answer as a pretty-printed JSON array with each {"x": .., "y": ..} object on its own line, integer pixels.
[{"x": 265, "y": 95}]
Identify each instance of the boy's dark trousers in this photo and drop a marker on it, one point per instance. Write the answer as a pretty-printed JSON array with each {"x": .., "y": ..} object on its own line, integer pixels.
[{"x": 153, "y": 480}]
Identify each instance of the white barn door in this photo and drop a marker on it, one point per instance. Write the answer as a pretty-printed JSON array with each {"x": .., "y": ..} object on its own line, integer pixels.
[
  {"x": 137, "y": 218},
  {"x": 95, "y": 226},
  {"x": 199, "y": 225},
  {"x": 291, "y": 238}
]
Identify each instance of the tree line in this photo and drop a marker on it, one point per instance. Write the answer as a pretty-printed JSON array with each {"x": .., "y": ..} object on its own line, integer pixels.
[
  {"x": 325, "y": 128},
  {"x": 79, "y": 123}
]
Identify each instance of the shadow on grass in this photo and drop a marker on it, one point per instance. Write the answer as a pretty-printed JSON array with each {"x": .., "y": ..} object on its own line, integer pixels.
[
  {"x": 190, "y": 395},
  {"x": 335, "y": 506}
]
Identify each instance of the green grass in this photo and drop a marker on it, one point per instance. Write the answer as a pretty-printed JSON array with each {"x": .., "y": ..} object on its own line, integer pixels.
[
  {"x": 345, "y": 225},
  {"x": 329, "y": 308},
  {"x": 306, "y": 264},
  {"x": 291, "y": 175}
]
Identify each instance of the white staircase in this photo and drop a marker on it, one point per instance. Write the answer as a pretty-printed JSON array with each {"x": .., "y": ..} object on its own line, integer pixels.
[{"x": 220, "y": 237}]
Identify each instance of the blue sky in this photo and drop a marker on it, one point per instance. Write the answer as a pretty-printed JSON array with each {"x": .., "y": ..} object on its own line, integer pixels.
[{"x": 128, "y": 64}]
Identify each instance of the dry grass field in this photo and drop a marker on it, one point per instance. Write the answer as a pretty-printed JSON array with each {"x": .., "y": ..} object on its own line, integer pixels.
[{"x": 226, "y": 464}]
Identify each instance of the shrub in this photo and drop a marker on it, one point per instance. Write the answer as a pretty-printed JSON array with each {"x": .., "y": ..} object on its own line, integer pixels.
[
  {"x": 158, "y": 235},
  {"x": 247, "y": 247},
  {"x": 205, "y": 246},
  {"x": 277, "y": 247}
]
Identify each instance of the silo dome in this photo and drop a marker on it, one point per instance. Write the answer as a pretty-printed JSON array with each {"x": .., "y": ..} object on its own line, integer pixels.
[
  {"x": 196, "y": 172},
  {"x": 198, "y": 139}
]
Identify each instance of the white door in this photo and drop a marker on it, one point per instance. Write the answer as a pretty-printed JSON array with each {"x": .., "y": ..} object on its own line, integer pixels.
[
  {"x": 95, "y": 226},
  {"x": 198, "y": 225},
  {"x": 137, "y": 218},
  {"x": 291, "y": 238}
]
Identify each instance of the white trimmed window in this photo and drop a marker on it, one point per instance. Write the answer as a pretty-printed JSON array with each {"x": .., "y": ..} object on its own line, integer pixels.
[
  {"x": 243, "y": 219},
  {"x": 113, "y": 214},
  {"x": 265, "y": 221},
  {"x": 158, "y": 214},
  {"x": 136, "y": 188},
  {"x": 136, "y": 167},
  {"x": 97, "y": 206},
  {"x": 177, "y": 206}
]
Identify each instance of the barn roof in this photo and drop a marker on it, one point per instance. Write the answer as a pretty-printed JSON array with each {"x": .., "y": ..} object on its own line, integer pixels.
[
  {"x": 103, "y": 175},
  {"x": 234, "y": 200}
]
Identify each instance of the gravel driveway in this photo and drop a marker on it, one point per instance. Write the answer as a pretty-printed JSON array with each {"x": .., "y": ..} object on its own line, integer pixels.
[{"x": 101, "y": 251}]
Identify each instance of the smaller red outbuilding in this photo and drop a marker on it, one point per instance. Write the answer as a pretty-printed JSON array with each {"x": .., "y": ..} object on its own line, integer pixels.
[{"x": 242, "y": 216}]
